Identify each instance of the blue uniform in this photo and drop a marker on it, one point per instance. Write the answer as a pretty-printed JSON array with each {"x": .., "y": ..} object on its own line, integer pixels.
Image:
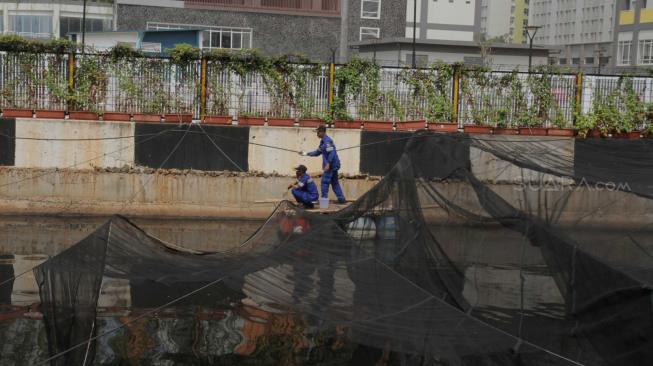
[
  {"x": 306, "y": 192},
  {"x": 329, "y": 155}
]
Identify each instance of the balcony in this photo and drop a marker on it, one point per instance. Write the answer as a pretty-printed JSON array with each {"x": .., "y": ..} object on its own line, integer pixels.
[
  {"x": 303, "y": 7},
  {"x": 626, "y": 17},
  {"x": 646, "y": 15}
]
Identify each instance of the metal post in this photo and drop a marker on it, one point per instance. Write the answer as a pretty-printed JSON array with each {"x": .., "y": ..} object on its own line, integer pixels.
[
  {"x": 71, "y": 76},
  {"x": 203, "y": 89},
  {"x": 455, "y": 92},
  {"x": 579, "y": 95},
  {"x": 84, "y": 27},
  {"x": 414, "y": 32}
]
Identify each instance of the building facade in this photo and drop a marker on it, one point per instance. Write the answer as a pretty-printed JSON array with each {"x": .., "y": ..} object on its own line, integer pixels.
[
  {"x": 504, "y": 18},
  {"x": 49, "y": 19},
  {"x": 633, "y": 39},
  {"x": 582, "y": 29},
  {"x": 311, "y": 27}
]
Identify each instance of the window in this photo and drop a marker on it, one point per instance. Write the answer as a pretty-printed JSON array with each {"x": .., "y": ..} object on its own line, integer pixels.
[
  {"x": 420, "y": 60},
  {"x": 214, "y": 37},
  {"x": 645, "y": 52},
  {"x": 69, "y": 25},
  {"x": 623, "y": 52},
  {"x": 33, "y": 26},
  {"x": 369, "y": 33},
  {"x": 371, "y": 9},
  {"x": 2, "y": 24}
]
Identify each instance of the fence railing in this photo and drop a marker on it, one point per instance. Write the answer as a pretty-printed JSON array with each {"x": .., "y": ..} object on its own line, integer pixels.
[{"x": 96, "y": 82}]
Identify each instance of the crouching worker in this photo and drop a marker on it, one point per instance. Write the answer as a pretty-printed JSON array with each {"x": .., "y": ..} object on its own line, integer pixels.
[{"x": 304, "y": 190}]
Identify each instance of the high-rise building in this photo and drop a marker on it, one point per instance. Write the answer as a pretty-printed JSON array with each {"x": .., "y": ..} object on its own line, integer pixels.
[
  {"x": 633, "y": 38},
  {"x": 52, "y": 19},
  {"x": 504, "y": 18},
  {"x": 583, "y": 29}
]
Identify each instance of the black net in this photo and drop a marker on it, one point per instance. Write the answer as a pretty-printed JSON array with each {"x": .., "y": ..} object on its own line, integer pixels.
[{"x": 469, "y": 252}]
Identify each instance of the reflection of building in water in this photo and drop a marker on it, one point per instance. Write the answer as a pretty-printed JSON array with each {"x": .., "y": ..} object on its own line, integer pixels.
[{"x": 25, "y": 290}]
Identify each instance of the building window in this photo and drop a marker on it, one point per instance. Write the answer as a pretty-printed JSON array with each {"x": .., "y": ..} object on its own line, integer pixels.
[
  {"x": 371, "y": 9},
  {"x": 33, "y": 26},
  {"x": 369, "y": 33},
  {"x": 645, "y": 52},
  {"x": 623, "y": 52},
  {"x": 69, "y": 25},
  {"x": 420, "y": 60},
  {"x": 214, "y": 37}
]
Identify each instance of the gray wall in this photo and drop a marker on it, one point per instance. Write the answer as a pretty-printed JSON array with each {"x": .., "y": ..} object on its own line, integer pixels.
[
  {"x": 272, "y": 33},
  {"x": 392, "y": 23}
]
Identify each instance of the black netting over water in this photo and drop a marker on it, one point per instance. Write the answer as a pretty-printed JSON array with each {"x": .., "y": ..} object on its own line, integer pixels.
[{"x": 469, "y": 252}]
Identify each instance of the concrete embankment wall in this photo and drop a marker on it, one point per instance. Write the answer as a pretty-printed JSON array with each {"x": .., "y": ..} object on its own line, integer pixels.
[{"x": 146, "y": 169}]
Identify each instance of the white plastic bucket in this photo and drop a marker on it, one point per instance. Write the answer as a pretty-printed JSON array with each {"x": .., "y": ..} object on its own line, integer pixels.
[{"x": 324, "y": 202}]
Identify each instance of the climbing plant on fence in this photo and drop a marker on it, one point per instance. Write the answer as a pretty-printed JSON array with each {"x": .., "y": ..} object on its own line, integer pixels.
[{"x": 429, "y": 92}]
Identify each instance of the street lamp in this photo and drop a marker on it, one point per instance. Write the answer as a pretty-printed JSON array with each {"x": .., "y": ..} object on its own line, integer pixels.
[
  {"x": 414, "y": 31},
  {"x": 531, "y": 31}
]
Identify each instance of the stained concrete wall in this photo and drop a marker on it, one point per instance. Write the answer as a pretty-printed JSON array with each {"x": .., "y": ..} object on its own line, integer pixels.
[
  {"x": 96, "y": 151},
  {"x": 268, "y": 160},
  {"x": 163, "y": 194}
]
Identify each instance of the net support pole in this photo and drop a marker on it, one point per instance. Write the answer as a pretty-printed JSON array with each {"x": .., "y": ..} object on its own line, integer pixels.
[
  {"x": 579, "y": 96},
  {"x": 203, "y": 89},
  {"x": 71, "y": 77},
  {"x": 455, "y": 92}
]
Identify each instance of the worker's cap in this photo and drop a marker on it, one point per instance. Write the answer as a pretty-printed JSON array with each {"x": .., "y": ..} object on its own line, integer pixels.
[
  {"x": 321, "y": 129},
  {"x": 301, "y": 168}
]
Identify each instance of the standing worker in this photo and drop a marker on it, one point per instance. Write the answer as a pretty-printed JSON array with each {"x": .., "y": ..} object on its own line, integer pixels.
[
  {"x": 304, "y": 190},
  {"x": 330, "y": 164}
]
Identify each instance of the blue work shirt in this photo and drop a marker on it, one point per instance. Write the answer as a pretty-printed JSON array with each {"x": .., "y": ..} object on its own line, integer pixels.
[
  {"x": 306, "y": 184},
  {"x": 328, "y": 151}
]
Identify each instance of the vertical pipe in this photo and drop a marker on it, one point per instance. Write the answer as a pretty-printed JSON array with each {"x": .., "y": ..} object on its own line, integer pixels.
[
  {"x": 203, "y": 90},
  {"x": 455, "y": 92},
  {"x": 71, "y": 76},
  {"x": 414, "y": 31},
  {"x": 84, "y": 27}
]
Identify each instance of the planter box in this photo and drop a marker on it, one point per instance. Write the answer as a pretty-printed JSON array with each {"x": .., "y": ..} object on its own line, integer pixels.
[
  {"x": 564, "y": 132},
  {"x": 633, "y": 135},
  {"x": 347, "y": 124},
  {"x": 313, "y": 123},
  {"x": 178, "y": 117},
  {"x": 83, "y": 115},
  {"x": 595, "y": 134},
  {"x": 251, "y": 121},
  {"x": 281, "y": 122},
  {"x": 411, "y": 125},
  {"x": 506, "y": 131},
  {"x": 16, "y": 112},
  {"x": 55, "y": 114},
  {"x": 443, "y": 127},
  {"x": 533, "y": 131},
  {"x": 218, "y": 120},
  {"x": 478, "y": 129},
  {"x": 378, "y": 125},
  {"x": 117, "y": 116},
  {"x": 145, "y": 117}
]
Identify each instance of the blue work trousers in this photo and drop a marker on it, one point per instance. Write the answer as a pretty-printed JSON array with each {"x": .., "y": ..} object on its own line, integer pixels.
[
  {"x": 303, "y": 196},
  {"x": 330, "y": 178}
]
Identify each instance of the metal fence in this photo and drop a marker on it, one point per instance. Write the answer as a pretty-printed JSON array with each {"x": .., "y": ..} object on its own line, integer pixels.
[{"x": 156, "y": 85}]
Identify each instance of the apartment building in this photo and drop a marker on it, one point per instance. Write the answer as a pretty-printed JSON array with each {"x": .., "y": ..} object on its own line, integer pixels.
[
  {"x": 504, "y": 18},
  {"x": 40, "y": 19},
  {"x": 582, "y": 29},
  {"x": 633, "y": 39}
]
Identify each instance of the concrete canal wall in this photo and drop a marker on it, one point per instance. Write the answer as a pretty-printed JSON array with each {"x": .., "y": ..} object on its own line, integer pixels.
[{"x": 71, "y": 167}]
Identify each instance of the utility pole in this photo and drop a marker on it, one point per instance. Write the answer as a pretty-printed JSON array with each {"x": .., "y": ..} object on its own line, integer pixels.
[{"x": 414, "y": 32}]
